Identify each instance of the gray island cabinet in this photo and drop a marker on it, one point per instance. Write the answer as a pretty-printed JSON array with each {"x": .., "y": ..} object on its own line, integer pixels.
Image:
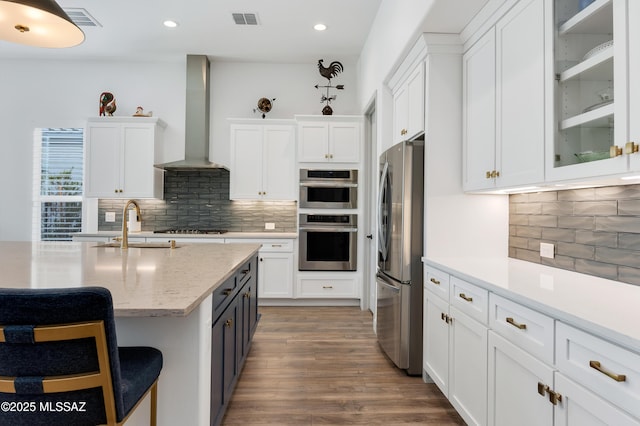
[{"x": 196, "y": 303}]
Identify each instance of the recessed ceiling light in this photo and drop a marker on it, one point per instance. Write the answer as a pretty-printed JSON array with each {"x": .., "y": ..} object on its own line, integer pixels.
[
  {"x": 319, "y": 27},
  {"x": 170, "y": 24}
]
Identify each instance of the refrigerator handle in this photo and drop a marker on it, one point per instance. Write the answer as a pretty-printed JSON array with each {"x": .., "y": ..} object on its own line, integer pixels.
[{"x": 382, "y": 235}]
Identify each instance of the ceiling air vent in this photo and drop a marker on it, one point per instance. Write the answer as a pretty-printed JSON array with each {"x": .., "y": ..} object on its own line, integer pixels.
[
  {"x": 245, "y": 18},
  {"x": 81, "y": 17}
]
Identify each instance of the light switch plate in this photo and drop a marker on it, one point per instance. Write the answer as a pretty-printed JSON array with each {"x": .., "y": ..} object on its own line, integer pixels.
[
  {"x": 269, "y": 226},
  {"x": 110, "y": 216},
  {"x": 547, "y": 250}
]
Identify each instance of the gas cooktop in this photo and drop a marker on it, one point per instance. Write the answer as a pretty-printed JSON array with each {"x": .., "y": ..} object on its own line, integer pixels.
[{"x": 191, "y": 231}]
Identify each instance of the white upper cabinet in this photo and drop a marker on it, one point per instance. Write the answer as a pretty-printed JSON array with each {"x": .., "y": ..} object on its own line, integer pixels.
[
  {"x": 633, "y": 13},
  {"x": 408, "y": 106},
  {"x": 262, "y": 161},
  {"x": 334, "y": 139},
  {"x": 120, "y": 157},
  {"x": 479, "y": 115},
  {"x": 594, "y": 95},
  {"x": 504, "y": 101}
]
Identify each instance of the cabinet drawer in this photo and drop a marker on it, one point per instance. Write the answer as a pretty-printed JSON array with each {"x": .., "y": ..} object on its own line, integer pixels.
[
  {"x": 224, "y": 294},
  {"x": 603, "y": 367},
  {"x": 436, "y": 282},
  {"x": 267, "y": 245},
  {"x": 277, "y": 245},
  {"x": 245, "y": 272},
  {"x": 531, "y": 330},
  {"x": 328, "y": 288},
  {"x": 470, "y": 299}
]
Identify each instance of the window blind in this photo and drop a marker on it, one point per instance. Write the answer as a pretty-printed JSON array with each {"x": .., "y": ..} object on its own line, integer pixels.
[{"x": 58, "y": 174}]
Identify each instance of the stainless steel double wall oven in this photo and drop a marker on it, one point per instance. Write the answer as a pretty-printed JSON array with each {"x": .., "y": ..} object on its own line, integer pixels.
[{"x": 328, "y": 231}]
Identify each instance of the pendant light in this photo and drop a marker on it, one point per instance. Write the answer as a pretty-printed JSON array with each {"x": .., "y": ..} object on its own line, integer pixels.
[{"x": 40, "y": 23}]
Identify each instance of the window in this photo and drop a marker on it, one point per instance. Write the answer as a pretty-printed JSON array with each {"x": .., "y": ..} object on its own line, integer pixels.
[{"x": 57, "y": 184}]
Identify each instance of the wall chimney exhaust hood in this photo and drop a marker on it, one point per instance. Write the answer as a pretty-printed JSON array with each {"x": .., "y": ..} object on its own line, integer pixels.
[{"x": 196, "y": 145}]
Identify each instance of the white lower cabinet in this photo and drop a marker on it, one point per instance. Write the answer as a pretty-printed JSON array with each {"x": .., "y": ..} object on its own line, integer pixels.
[
  {"x": 275, "y": 267},
  {"x": 517, "y": 380},
  {"x": 455, "y": 344},
  {"x": 501, "y": 363},
  {"x": 275, "y": 273},
  {"x": 581, "y": 407},
  {"x": 597, "y": 376}
]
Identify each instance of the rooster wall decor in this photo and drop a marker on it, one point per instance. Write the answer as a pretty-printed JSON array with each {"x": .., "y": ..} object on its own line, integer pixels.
[{"x": 329, "y": 72}]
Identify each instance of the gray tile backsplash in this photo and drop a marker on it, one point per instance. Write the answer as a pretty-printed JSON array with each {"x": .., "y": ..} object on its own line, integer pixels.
[
  {"x": 595, "y": 231},
  {"x": 200, "y": 199}
]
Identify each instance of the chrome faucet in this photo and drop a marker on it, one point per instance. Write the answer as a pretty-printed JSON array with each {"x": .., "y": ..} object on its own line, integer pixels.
[{"x": 124, "y": 242}]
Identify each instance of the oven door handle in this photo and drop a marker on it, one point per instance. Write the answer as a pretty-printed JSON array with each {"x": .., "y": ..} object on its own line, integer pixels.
[
  {"x": 328, "y": 229},
  {"x": 329, "y": 184}
]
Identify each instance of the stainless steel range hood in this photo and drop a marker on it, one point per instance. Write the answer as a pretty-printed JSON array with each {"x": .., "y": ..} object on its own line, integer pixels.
[{"x": 196, "y": 146}]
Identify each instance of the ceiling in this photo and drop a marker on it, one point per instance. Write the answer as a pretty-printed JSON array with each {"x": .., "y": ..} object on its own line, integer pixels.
[{"x": 133, "y": 29}]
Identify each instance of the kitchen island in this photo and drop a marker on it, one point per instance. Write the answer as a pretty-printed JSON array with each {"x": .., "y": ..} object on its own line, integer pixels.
[{"x": 162, "y": 297}]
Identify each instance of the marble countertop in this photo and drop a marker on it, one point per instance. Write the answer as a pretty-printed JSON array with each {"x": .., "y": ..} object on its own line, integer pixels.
[
  {"x": 144, "y": 282},
  {"x": 605, "y": 307},
  {"x": 228, "y": 235}
]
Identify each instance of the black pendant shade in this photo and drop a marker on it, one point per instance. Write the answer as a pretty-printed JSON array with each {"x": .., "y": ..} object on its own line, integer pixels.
[{"x": 40, "y": 23}]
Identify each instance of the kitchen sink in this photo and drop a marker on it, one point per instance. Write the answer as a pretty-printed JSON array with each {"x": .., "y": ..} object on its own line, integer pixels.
[{"x": 169, "y": 245}]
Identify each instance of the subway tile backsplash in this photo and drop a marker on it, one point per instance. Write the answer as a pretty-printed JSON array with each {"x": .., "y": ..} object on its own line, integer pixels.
[
  {"x": 595, "y": 231},
  {"x": 200, "y": 199}
]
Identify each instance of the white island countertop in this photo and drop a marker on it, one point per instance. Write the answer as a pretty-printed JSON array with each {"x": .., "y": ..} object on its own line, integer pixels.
[
  {"x": 608, "y": 308},
  {"x": 144, "y": 282}
]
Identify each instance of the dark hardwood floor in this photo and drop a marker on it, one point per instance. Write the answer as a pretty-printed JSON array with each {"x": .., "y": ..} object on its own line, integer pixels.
[{"x": 323, "y": 366}]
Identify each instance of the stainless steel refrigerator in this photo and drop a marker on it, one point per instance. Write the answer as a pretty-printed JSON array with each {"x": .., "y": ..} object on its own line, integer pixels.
[{"x": 400, "y": 244}]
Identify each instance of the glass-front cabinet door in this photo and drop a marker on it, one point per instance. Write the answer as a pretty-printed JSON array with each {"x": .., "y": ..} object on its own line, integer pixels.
[{"x": 591, "y": 105}]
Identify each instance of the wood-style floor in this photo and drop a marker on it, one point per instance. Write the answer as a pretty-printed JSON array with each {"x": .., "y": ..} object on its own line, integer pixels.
[{"x": 323, "y": 366}]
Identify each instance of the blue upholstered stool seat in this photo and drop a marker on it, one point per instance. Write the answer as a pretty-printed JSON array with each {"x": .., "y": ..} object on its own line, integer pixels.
[{"x": 59, "y": 356}]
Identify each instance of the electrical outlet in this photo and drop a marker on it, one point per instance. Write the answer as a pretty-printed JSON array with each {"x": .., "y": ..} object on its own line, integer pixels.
[
  {"x": 547, "y": 250},
  {"x": 269, "y": 226},
  {"x": 110, "y": 216}
]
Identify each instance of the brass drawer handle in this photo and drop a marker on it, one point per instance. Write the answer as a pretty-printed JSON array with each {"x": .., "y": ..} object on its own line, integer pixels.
[
  {"x": 227, "y": 291},
  {"x": 327, "y": 286},
  {"x": 465, "y": 297},
  {"x": 436, "y": 282},
  {"x": 617, "y": 377},
  {"x": 228, "y": 323},
  {"x": 515, "y": 324}
]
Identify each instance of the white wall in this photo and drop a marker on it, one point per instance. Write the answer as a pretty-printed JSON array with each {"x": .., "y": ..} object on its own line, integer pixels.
[{"x": 237, "y": 86}]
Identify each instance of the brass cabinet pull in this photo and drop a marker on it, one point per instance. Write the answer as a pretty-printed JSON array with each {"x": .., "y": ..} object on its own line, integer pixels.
[
  {"x": 276, "y": 245},
  {"x": 446, "y": 318},
  {"x": 554, "y": 397},
  {"x": 495, "y": 174},
  {"x": 247, "y": 295},
  {"x": 465, "y": 297},
  {"x": 631, "y": 147},
  {"x": 442, "y": 316},
  {"x": 488, "y": 174},
  {"x": 617, "y": 377},
  {"x": 542, "y": 388},
  {"x": 436, "y": 282},
  {"x": 515, "y": 324},
  {"x": 228, "y": 323},
  {"x": 327, "y": 286},
  {"x": 227, "y": 291},
  {"x": 614, "y": 151}
]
